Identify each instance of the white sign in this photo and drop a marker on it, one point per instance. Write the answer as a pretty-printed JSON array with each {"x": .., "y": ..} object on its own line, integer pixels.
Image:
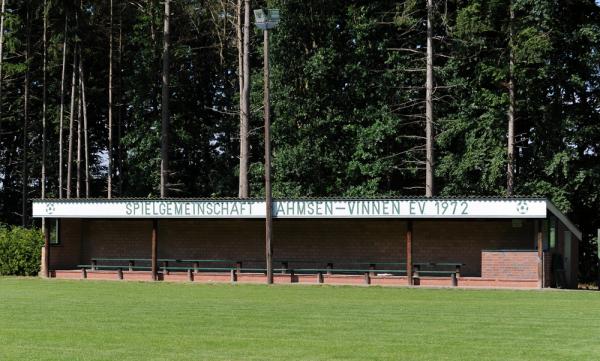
[{"x": 373, "y": 208}]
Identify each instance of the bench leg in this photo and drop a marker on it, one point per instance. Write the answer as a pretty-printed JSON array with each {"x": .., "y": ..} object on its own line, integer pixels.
[
  {"x": 233, "y": 275},
  {"x": 84, "y": 273},
  {"x": 190, "y": 275},
  {"x": 120, "y": 273},
  {"x": 454, "y": 280},
  {"x": 367, "y": 278},
  {"x": 416, "y": 279},
  {"x": 319, "y": 277}
]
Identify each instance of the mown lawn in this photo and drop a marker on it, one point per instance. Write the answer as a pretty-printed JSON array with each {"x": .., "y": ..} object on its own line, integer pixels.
[{"x": 87, "y": 320}]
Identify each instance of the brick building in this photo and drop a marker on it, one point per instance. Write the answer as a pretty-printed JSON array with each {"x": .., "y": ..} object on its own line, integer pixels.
[{"x": 479, "y": 242}]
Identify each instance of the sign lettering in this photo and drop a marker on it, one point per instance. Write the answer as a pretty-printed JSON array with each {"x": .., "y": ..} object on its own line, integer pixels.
[{"x": 374, "y": 208}]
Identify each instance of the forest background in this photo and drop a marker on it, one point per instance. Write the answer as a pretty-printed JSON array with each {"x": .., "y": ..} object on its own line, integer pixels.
[{"x": 95, "y": 100}]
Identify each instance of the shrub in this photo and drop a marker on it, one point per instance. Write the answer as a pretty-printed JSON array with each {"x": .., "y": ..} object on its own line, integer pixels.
[{"x": 20, "y": 250}]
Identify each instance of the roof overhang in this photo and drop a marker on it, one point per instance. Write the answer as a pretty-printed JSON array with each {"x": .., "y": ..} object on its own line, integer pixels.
[
  {"x": 294, "y": 208},
  {"x": 307, "y": 208},
  {"x": 561, "y": 217}
]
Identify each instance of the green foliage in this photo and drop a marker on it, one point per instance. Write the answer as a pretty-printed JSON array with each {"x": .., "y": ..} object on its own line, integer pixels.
[
  {"x": 20, "y": 251},
  {"x": 347, "y": 86}
]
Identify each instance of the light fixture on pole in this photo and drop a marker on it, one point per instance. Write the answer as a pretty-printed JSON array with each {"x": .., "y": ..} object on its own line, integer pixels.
[{"x": 266, "y": 20}]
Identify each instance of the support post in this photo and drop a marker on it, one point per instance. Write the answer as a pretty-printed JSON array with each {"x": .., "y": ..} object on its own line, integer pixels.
[
  {"x": 409, "y": 261},
  {"x": 268, "y": 194},
  {"x": 120, "y": 273},
  {"x": 83, "y": 273},
  {"x": 454, "y": 280},
  {"x": 367, "y": 278},
  {"x": 319, "y": 277},
  {"x": 190, "y": 275},
  {"x": 46, "y": 265},
  {"x": 233, "y": 274},
  {"x": 540, "y": 249},
  {"x": 154, "y": 249},
  {"x": 597, "y": 254}
]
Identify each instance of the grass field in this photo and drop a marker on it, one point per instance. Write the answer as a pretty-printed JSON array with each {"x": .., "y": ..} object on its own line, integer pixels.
[{"x": 87, "y": 320}]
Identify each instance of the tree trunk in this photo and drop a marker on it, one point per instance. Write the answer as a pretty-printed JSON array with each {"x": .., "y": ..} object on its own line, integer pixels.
[
  {"x": 62, "y": 113},
  {"x": 1, "y": 68},
  {"x": 44, "y": 99},
  {"x": 238, "y": 40},
  {"x": 110, "y": 104},
  {"x": 164, "y": 146},
  {"x": 71, "y": 119},
  {"x": 429, "y": 170},
  {"x": 120, "y": 102},
  {"x": 86, "y": 150},
  {"x": 510, "y": 173},
  {"x": 79, "y": 136},
  {"x": 25, "y": 171},
  {"x": 245, "y": 105}
]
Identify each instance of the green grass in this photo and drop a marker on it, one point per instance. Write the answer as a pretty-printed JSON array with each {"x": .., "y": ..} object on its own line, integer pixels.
[{"x": 87, "y": 320}]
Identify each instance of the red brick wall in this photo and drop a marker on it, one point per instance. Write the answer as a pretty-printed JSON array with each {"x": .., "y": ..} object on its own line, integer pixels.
[
  {"x": 340, "y": 240},
  {"x": 331, "y": 240},
  {"x": 509, "y": 265},
  {"x": 244, "y": 240},
  {"x": 116, "y": 239},
  {"x": 67, "y": 253},
  {"x": 463, "y": 241}
]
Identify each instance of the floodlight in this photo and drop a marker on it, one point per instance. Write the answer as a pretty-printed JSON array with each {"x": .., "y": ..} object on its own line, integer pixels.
[
  {"x": 260, "y": 15},
  {"x": 266, "y": 19}
]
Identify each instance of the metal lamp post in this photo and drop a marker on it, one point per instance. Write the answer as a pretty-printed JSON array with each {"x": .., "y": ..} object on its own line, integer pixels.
[{"x": 266, "y": 20}]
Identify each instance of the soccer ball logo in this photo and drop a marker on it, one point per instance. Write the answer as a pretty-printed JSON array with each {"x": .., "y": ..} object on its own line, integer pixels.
[
  {"x": 522, "y": 207},
  {"x": 50, "y": 208}
]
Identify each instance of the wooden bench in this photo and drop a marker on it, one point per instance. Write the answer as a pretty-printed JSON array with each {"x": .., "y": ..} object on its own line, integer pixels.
[
  {"x": 454, "y": 272},
  {"x": 419, "y": 268},
  {"x": 329, "y": 264},
  {"x": 165, "y": 262}
]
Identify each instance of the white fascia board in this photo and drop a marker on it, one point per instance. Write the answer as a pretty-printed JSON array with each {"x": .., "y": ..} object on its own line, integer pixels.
[
  {"x": 458, "y": 208},
  {"x": 561, "y": 217}
]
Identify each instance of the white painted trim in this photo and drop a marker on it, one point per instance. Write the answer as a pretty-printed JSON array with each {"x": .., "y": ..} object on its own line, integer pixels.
[
  {"x": 558, "y": 214},
  {"x": 303, "y": 208}
]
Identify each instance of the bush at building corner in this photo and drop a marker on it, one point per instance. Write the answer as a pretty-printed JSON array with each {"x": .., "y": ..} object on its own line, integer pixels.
[{"x": 20, "y": 250}]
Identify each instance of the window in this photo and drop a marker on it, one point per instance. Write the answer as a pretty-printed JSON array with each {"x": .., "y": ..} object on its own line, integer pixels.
[
  {"x": 545, "y": 228},
  {"x": 54, "y": 229},
  {"x": 552, "y": 232}
]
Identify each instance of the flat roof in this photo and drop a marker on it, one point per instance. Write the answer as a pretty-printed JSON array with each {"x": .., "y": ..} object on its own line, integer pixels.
[{"x": 303, "y": 208}]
